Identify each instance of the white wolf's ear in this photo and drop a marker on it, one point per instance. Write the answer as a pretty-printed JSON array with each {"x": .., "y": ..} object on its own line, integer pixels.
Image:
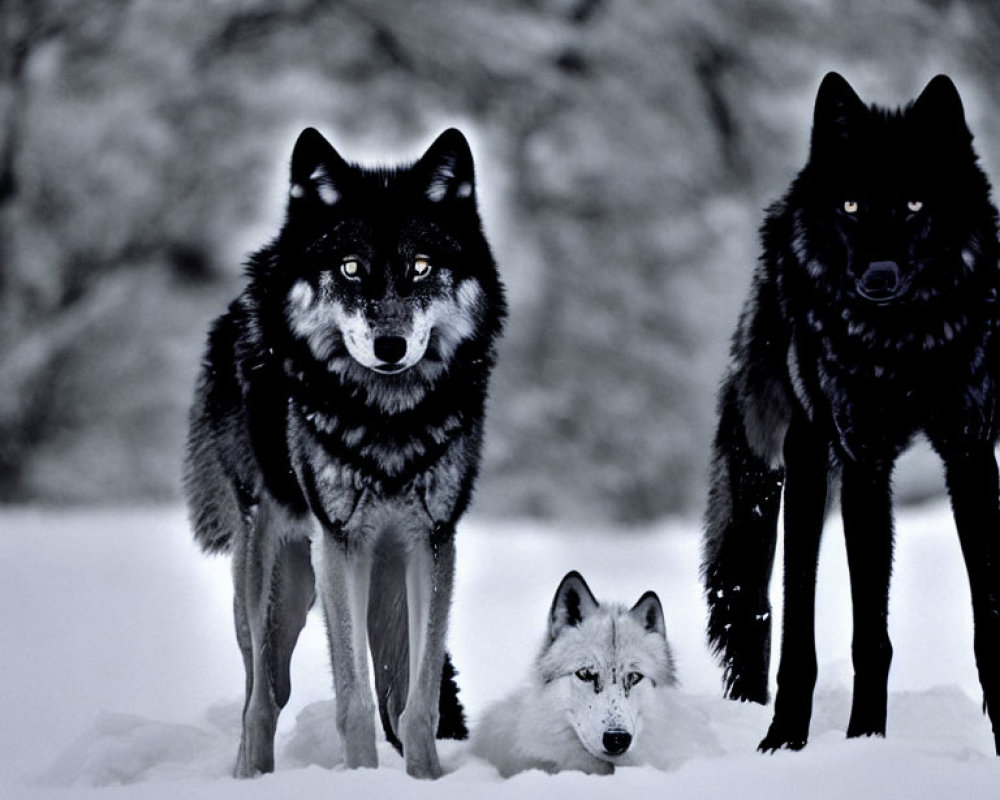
[
  {"x": 318, "y": 171},
  {"x": 940, "y": 108},
  {"x": 837, "y": 109},
  {"x": 649, "y": 613},
  {"x": 446, "y": 171},
  {"x": 572, "y": 604}
]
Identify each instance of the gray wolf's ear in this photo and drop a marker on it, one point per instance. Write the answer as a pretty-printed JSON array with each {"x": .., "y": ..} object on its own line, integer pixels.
[
  {"x": 940, "y": 108},
  {"x": 837, "y": 110},
  {"x": 649, "y": 613},
  {"x": 572, "y": 604},
  {"x": 318, "y": 171},
  {"x": 446, "y": 171}
]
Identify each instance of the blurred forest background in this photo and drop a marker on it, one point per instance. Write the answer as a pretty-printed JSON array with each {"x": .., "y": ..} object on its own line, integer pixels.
[{"x": 626, "y": 150}]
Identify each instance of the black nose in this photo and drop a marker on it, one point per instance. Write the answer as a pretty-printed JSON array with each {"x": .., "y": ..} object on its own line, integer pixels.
[
  {"x": 616, "y": 742},
  {"x": 880, "y": 281},
  {"x": 390, "y": 349}
]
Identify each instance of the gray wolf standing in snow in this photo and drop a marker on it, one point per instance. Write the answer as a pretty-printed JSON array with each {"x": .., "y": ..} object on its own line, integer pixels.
[
  {"x": 346, "y": 387},
  {"x": 599, "y": 680}
]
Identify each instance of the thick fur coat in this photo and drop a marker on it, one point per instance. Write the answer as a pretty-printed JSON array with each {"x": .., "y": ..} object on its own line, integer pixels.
[
  {"x": 335, "y": 439},
  {"x": 872, "y": 318}
]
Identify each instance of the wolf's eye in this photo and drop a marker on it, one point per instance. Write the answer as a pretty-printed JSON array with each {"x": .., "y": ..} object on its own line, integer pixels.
[
  {"x": 586, "y": 676},
  {"x": 915, "y": 205},
  {"x": 632, "y": 679},
  {"x": 421, "y": 268},
  {"x": 351, "y": 269},
  {"x": 851, "y": 206}
]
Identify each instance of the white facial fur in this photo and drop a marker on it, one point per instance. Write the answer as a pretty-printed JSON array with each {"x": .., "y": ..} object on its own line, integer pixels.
[
  {"x": 609, "y": 643},
  {"x": 322, "y": 321}
]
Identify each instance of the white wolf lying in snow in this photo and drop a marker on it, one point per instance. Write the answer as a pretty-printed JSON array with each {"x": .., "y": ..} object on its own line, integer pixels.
[{"x": 601, "y": 693}]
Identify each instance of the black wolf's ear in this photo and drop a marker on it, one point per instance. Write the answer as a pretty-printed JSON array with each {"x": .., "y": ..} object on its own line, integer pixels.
[
  {"x": 649, "y": 613},
  {"x": 318, "y": 171},
  {"x": 838, "y": 108},
  {"x": 572, "y": 604},
  {"x": 940, "y": 109},
  {"x": 446, "y": 171}
]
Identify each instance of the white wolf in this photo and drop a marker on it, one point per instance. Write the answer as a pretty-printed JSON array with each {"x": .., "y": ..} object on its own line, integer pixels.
[{"x": 601, "y": 683}]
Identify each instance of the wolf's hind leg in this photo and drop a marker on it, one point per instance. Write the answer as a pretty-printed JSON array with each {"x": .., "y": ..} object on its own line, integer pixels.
[
  {"x": 738, "y": 555},
  {"x": 974, "y": 487},
  {"x": 388, "y": 636},
  {"x": 430, "y": 572},
  {"x": 274, "y": 586}
]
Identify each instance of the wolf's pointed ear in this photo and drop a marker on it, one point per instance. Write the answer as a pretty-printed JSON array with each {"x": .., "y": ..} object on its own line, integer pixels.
[
  {"x": 317, "y": 170},
  {"x": 446, "y": 171},
  {"x": 940, "y": 109},
  {"x": 837, "y": 109},
  {"x": 649, "y": 613},
  {"x": 572, "y": 604}
]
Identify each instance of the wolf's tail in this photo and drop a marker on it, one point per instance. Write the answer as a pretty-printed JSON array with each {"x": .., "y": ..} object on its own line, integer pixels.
[
  {"x": 390, "y": 645},
  {"x": 738, "y": 551}
]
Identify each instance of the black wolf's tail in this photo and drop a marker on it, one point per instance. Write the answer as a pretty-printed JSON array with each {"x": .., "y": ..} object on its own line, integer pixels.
[
  {"x": 738, "y": 552},
  {"x": 390, "y": 646}
]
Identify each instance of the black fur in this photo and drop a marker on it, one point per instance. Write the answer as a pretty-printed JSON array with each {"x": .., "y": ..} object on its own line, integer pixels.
[
  {"x": 268, "y": 409},
  {"x": 872, "y": 318}
]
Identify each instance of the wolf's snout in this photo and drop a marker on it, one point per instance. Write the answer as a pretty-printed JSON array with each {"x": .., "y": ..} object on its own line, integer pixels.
[
  {"x": 881, "y": 281},
  {"x": 616, "y": 742},
  {"x": 389, "y": 349}
]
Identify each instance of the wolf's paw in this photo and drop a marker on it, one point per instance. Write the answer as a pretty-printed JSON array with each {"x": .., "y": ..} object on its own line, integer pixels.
[
  {"x": 255, "y": 757},
  {"x": 867, "y": 722},
  {"x": 781, "y": 737},
  {"x": 422, "y": 762},
  {"x": 865, "y": 733},
  {"x": 419, "y": 749},
  {"x": 360, "y": 754}
]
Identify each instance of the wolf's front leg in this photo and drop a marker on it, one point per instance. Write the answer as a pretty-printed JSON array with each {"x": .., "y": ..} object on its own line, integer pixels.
[
  {"x": 866, "y": 505},
  {"x": 430, "y": 572},
  {"x": 344, "y": 580},
  {"x": 805, "y": 505},
  {"x": 274, "y": 588}
]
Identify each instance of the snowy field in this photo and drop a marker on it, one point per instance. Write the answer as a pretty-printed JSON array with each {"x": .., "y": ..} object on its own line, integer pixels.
[{"x": 121, "y": 677}]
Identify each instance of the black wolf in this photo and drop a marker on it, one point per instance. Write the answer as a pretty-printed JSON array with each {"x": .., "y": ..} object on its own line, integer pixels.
[
  {"x": 872, "y": 317},
  {"x": 346, "y": 386}
]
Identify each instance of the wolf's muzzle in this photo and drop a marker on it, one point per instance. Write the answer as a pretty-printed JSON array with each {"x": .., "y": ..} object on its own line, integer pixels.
[{"x": 881, "y": 282}]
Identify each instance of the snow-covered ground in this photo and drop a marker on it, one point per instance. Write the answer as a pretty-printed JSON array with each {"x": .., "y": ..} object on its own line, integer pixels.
[{"x": 121, "y": 678}]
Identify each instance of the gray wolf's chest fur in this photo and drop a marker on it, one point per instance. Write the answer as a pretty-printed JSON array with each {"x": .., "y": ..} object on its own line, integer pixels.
[{"x": 380, "y": 484}]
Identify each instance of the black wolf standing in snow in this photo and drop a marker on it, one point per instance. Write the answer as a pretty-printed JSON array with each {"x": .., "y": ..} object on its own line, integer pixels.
[
  {"x": 872, "y": 317},
  {"x": 346, "y": 385}
]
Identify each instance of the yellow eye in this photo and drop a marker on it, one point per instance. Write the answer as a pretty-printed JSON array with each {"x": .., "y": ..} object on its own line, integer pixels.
[
  {"x": 421, "y": 267},
  {"x": 351, "y": 269},
  {"x": 851, "y": 206},
  {"x": 915, "y": 205}
]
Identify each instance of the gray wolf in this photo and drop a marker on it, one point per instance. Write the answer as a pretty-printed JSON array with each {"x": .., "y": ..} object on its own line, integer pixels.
[
  {"x": 599, "y": 681},
  {"x": 335, "y": 438},
  {"x": 871, "y": 319}
]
